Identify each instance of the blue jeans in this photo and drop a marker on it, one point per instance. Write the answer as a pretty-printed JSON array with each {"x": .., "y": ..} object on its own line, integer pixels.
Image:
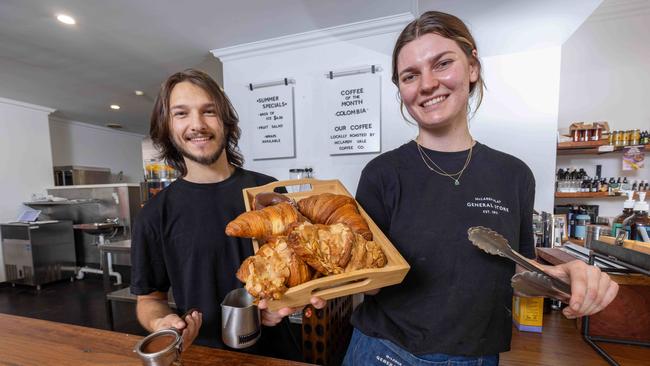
[{"x": 364, "y": 350}]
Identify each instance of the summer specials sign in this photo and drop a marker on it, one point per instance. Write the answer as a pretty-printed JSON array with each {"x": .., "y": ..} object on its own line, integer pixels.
[
  {"x": 353, "y": 114},
  {"x": 272, "y": 109}
]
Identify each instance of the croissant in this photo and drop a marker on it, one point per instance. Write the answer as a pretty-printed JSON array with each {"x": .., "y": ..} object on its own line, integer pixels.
[
  {"x": 264, "y": 223},
  {"x": 272, "y": 270},
  {"x": 365, "y": 254},
  {"x": 326, "y": 248},
  {"x": 328, "y": 208}
]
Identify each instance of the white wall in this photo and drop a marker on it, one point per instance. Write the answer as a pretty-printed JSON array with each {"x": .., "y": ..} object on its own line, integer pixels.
[
  {"x": 25, "y": 157},
  {"x": 148, "y": 150},
  {"x": 518, "y": 115},
  {"x": 75, "y": 143},
  {"x": 307, "y": 66},
  {"x": 605, "y": 75}
]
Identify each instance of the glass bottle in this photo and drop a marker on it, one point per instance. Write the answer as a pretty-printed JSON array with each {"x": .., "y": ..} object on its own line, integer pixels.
[
  {"x": 628, "y": 210},
  {"x": 636, "y": 137},
  {"x": 640, "y": 226}
]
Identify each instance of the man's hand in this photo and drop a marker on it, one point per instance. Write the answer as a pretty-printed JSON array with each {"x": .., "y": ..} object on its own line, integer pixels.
[
  {"x": 591, "y": 289},
  {"x": 189, "y": 326},
  {"x": 272, "y": 318}
]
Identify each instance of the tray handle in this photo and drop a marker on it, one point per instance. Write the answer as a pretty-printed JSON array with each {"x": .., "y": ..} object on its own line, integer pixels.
[
  {"x": 327, "y": 291},
  {"x": 297, "y": 182}
]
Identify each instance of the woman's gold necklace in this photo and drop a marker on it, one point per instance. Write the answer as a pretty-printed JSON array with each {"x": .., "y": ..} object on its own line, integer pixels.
[{"x": 455, "y": 176}]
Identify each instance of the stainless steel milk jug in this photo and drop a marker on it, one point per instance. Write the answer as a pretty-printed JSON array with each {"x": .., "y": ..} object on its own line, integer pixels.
[{"x": 240, "y": 319}]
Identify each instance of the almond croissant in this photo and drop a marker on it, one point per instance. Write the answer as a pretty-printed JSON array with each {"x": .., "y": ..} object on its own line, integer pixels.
[
  {"x": 273, "y": 269},
  {"x": 326, "y": 248},
  {"x": 329, "y": 209},
  {"x": 365, "y": 254},
  {"x": 264, "y": 223}
]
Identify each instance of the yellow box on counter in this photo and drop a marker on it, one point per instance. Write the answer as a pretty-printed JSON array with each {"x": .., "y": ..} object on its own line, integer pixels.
[
  {"x": 333, "y": 286},
  {"x": 528, "y": 313}
]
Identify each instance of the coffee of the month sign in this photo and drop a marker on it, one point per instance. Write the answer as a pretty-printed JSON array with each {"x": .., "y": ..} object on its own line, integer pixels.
[
  {"x": 353, "y": 114},
  {"x": 272, "y": 109}
]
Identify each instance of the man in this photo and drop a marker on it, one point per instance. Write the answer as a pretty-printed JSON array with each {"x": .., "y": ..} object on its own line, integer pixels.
[{"x": 178, "y": 237}]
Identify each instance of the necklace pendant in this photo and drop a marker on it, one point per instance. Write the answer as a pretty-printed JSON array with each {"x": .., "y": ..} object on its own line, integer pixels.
[{"x": 456, "y": 182}]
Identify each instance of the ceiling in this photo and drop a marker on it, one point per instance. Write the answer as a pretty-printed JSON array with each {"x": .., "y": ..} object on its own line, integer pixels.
[{"x": 119, "y": 46}]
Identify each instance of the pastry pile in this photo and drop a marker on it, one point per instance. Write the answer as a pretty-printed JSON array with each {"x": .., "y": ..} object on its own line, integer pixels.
[{"x": 318, "y": 236}]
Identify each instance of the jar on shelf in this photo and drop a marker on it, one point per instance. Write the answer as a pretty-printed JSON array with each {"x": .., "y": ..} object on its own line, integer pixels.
[
  {"x": 576, "y": 135},
  {"x": 626, "y": 138},
  {"x": 618, "y": 138},
  {"x": 597, "y": 133},
  {"x": 635, "y": 137}
]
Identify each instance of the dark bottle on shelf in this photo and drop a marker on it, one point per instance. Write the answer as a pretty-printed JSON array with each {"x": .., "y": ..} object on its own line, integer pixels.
[
  {"x": 625, "y": 185},
  {"x": 583, "y": 173},
  {"x": 620, "y": 220},
  {"x": 640, "y": 226},
  {"x": 595, "y": 185}
]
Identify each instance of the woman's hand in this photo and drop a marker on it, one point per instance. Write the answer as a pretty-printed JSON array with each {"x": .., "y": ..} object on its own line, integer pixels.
[
  {"x": 272, "y": 318},
  {"x": 591, "y": 289}
]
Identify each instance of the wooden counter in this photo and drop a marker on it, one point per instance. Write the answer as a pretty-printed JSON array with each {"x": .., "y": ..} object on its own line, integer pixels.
[{"x": 26, "y": 341}]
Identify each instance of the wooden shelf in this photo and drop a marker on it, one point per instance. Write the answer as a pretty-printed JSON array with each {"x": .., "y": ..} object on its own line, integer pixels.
[
  {"x": 568, "y": 145},
  {"x": 591, "y": 195},
  {"x": 584, "y": 195},
  {"x": 587, "y": 148}
]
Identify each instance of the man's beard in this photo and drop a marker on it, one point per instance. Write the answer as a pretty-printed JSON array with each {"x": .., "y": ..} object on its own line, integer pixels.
[{"x": 203, "y": 160}]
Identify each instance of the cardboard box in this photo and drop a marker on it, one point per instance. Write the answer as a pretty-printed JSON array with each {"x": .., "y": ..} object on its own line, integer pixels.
[{"x": 527, "y": 313}]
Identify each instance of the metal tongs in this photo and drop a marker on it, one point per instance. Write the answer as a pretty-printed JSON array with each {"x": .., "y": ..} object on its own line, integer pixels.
[{"x": 536, "y": 282}]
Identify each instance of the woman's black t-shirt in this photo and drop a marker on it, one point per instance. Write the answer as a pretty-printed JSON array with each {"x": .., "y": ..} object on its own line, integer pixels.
[{"x": 455, "y": 299}]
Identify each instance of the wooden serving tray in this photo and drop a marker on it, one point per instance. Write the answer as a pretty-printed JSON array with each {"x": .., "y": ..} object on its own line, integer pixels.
[{"x": 343, "y": 284}]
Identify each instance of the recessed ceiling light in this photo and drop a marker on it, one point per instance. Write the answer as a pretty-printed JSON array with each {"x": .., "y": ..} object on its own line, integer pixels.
[
  {"x": 139, "y": 92},
  {"x": 114, "y": 125},
  {"x": 115, "y": 106},
  {"x": 66, "y": 19}
]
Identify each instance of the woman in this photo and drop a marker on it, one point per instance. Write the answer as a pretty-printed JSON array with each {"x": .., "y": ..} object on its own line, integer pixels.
[{"x": 455, "y": 303}]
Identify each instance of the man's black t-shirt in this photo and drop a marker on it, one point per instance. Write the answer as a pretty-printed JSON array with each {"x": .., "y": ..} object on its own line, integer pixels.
[
  {"x": 179, "y": 240},
  {"x": 455, "y": 299}
]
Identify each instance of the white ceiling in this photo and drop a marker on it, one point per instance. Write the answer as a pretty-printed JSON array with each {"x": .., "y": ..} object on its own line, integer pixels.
[{"x": 118, "y": 46}]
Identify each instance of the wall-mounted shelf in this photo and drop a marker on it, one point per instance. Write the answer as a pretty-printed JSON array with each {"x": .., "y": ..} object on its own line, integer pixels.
[
  {"x": 587, "y": 148},
  {"x": 587, "y": 195}
]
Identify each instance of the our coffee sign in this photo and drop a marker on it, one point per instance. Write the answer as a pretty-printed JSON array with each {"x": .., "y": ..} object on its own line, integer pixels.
[
  {"x": 272, "y": 109},
  {"x": 353, "y": 114}
]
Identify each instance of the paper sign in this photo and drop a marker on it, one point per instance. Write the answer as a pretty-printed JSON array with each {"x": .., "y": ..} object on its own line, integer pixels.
[
  {"x": 273, "y": 119},
  {"x": 633, "y": 157},
  {"x": 352, "y": 111}
]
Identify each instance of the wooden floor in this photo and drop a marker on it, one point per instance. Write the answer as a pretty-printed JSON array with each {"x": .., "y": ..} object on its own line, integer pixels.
[
  {"x": 560, "y": 343},
  {"x": 81, "y": 303}
]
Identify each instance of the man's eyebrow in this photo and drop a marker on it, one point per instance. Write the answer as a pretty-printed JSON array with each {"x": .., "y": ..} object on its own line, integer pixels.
[
  {"x": 432, "y": 59},
  {"x": 184, "y": 106}
]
